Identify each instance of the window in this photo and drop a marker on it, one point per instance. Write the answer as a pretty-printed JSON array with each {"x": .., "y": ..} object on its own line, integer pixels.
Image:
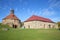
[{"x": 49, "y": 26}]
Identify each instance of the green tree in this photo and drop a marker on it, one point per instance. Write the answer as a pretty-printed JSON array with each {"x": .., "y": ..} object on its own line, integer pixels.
[
  {"x": 58, "y": 25},
  {"x": 4, "y": 25}
]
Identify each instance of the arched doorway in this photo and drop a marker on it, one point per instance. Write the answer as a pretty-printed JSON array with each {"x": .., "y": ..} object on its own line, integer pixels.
[{"x": 14, "y": 26}]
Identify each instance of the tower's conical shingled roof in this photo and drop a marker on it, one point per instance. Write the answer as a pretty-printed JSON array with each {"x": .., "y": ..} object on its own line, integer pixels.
[{"x": 11, "y": 15}]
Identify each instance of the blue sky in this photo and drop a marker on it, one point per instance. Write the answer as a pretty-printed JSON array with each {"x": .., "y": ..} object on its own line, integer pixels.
[{"x": 26, "y": 8}]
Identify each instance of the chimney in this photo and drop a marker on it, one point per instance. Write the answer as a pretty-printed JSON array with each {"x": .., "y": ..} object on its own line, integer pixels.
[{"x": 12, "y": 11}]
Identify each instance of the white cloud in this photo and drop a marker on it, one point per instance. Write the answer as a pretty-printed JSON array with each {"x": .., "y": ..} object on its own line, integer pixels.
[
  {"x": 50, "y": 10},
  {"x": 42, "y": 12},
  {"x": 56, "y": 19},
  {"x": 54, "y": 3},
  {"x": 47, "y": 12}
]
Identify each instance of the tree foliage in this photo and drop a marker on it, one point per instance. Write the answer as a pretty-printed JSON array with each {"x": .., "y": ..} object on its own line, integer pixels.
[
  {"x": 4, "y": 25},
  {"x": 58, "y": 24}
]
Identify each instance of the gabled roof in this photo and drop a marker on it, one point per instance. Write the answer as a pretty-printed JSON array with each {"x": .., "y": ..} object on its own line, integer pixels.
[
  {"x": 11, "y": 16},
  {"x": 38, "y": 18}
]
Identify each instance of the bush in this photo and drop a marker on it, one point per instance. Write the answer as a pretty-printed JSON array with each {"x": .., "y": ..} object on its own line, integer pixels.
[
  {"x": 59, "y": 28},
  {"x": 4, "y": 25}
]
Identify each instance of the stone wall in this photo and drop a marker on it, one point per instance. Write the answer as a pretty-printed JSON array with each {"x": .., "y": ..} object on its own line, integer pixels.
[
  {"x": 11, "y": 22},
  {"x": 39, "y": 24}
]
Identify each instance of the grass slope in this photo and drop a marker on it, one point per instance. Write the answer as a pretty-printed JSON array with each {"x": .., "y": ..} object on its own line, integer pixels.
[{"x": 30, "y": 34}]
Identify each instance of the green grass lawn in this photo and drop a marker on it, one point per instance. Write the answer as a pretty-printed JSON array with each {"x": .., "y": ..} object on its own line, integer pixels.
[{"x": 30, "y": 34}]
